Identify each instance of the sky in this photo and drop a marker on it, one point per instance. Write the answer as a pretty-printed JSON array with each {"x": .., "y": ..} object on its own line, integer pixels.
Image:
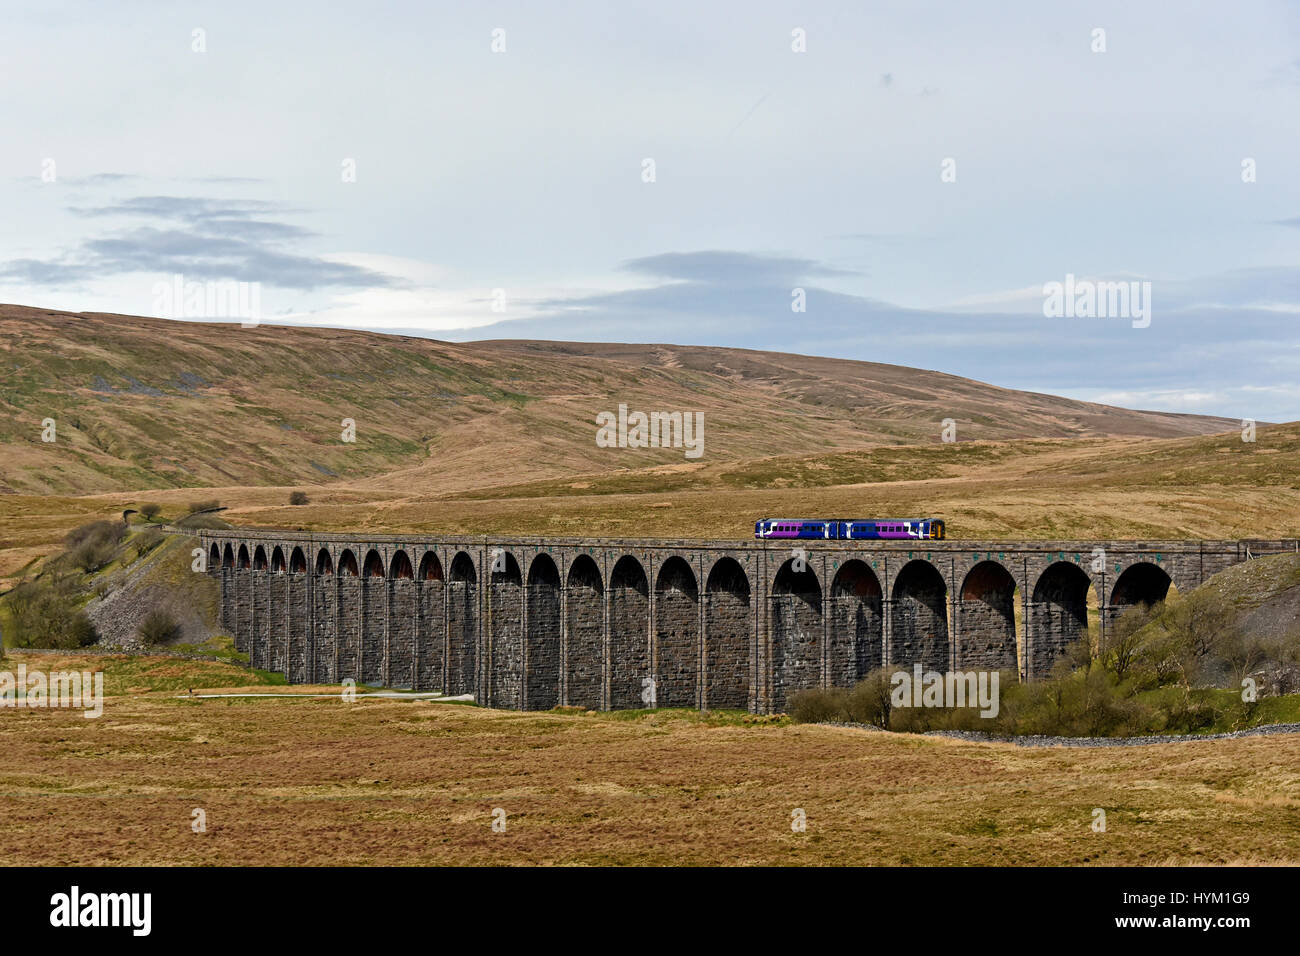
[{"x": 894, "y": 182}]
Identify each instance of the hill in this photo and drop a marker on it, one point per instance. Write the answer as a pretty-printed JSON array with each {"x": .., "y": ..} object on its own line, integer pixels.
[{"x": 150, "y": 403}]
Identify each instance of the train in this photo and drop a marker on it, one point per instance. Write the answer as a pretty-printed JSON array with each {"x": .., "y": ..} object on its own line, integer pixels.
[{"x": 851, "y": 529}]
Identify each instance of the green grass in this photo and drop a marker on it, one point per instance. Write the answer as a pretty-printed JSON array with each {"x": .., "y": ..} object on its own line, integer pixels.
[{"x": 144, "y": 674}]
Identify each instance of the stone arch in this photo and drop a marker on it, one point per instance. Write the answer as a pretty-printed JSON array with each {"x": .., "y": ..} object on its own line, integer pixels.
[
  {"x": 374, "y": 611},
  {"x": 506, "y": 661},
  {"x": 629, "y": 633},
  {"x": 585, "y": 616},
  {"x": 292, "y": 648},
  {"x": 259, "y": 559},
  {"x": 348, "y": 563},
  {"x": 399, "y": 568},
  {"x": 277, "y": 560},
  {"x": 857, "y": 624},
  {"x": 431, "y": 635},
  {"x": 543, "y": 672},
  {"x": 796, "y": 632},
  {"x": 1142, "y": 583},
  {"x": 677, "y": 635},
  {"x": 919, "y": 620},
  {"x": 728, "y": 625},
  {"x": 325, "y": 608},
  {"x": 401, "y": 617},
  {"x": 987, "y": 635},
  {"x": 462, "y": 626},
  {"x": 1058, "y": 614},
  {"x": 430, "y": 567},
  {"x": 350, "y": 617},
  {"x": 228, "y": 557},
  {"x": 214, "y": 558},
  {"x": 244, "y": 563}
]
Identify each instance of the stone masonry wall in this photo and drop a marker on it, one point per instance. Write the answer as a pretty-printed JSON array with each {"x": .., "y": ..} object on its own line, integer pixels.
[{"x": 727, "y": 625}]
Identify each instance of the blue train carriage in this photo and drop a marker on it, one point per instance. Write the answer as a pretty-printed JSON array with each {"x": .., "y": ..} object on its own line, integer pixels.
[{"x": 852, "y": 529}]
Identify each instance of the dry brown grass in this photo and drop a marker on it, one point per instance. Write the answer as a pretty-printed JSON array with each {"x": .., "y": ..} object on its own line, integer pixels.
[{"x": 404, "y": 782}]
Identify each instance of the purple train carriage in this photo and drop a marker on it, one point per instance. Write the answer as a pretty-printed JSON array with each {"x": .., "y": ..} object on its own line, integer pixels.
[{"x": 903, "y": 529}]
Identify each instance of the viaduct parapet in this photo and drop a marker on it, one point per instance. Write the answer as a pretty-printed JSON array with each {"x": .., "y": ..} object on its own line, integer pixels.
[{"x": 531, "y": 623}]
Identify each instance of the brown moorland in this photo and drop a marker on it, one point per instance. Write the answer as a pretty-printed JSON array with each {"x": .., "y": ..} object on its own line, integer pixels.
[{"x": 313, "y": 781}]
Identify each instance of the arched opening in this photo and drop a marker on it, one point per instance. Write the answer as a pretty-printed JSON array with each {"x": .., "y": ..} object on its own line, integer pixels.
[
  {"x": 987, "y": 636},
  {"x": 431, "y": 636},
  {"x": 506, "y": 662},
  {"x": 585, "y": 625},
  {"x": 214, "y": 558},
  {"x": 462, "y": 569},
  {"x": 543, "y": 672},
  {"x": 374, "y": 607},
  {"x": 244, "y": 563},
  {"x": 401, "y": 621},
  {"x": 325, "y": 611},
  {"x": 430, "y": 567},
  {"x": 462, "y": 626},
  {"x": 857, "y": 624},
  {"x": 349, "y": 616},
  {"x": 259, "y": 559},
  {"x": 297, "y": 562},
  {"x": 919, "y": 624},
  {"x": 277, "y": 560},
  {"x": 228, "y": 557},
  {"x": 400, "y": 567},
  {"x": 677, "y": 635},
  {"x": 1143, "y": 583},
  {"x": 728, "y": 626},
  {"x": 1058, "y": 615},
  {"x": 796, "y": 632},
  {"x": 629, "y": 634}
]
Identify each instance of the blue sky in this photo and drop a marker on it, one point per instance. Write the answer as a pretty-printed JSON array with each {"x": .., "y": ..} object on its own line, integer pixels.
[{"x": 522, "y": 171}]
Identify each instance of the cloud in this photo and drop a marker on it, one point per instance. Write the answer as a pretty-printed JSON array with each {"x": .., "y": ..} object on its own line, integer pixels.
[
  {"x": 729, "y": 268},
  {"x": 1190, "y": 358},
  {"x": 202, "y": 238}
]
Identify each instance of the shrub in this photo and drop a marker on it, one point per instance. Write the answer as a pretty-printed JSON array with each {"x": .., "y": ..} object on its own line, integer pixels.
[
  {"x": 80, "y": 631},
  {"x": 146, "y": 541},
  {"x": 158, "y": 627},
  {"x": 93, "y": 545},
  {"x": 43, "y": 613},
  {"x": 298, "y": 498},
  {"x": 150, "y": 510},
  {"x": 818, "y": 706},
  {"x": 112, "y": 531},
  {"x": 871, "y": 700}
]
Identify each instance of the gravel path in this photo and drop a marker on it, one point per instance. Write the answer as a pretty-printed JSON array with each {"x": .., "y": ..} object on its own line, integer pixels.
[{"x": 1040, "y": 741}]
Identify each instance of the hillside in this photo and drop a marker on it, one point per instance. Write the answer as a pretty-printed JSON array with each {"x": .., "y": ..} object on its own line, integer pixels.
[{"x": 148, "y": 403}]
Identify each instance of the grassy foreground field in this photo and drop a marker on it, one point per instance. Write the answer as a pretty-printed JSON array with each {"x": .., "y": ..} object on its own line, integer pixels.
[{"x": 321, "y": 781}]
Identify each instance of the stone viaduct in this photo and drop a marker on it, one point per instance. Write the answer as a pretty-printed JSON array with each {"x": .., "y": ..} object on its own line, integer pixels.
[{"x": 532, "y": 623}]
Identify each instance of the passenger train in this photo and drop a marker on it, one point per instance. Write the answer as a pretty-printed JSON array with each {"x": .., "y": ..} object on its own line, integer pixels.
[{"x": 903, "y": 529}]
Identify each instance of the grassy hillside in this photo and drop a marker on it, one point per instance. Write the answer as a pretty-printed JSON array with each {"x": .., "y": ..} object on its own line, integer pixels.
[{"x": 148, "y": 403}]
